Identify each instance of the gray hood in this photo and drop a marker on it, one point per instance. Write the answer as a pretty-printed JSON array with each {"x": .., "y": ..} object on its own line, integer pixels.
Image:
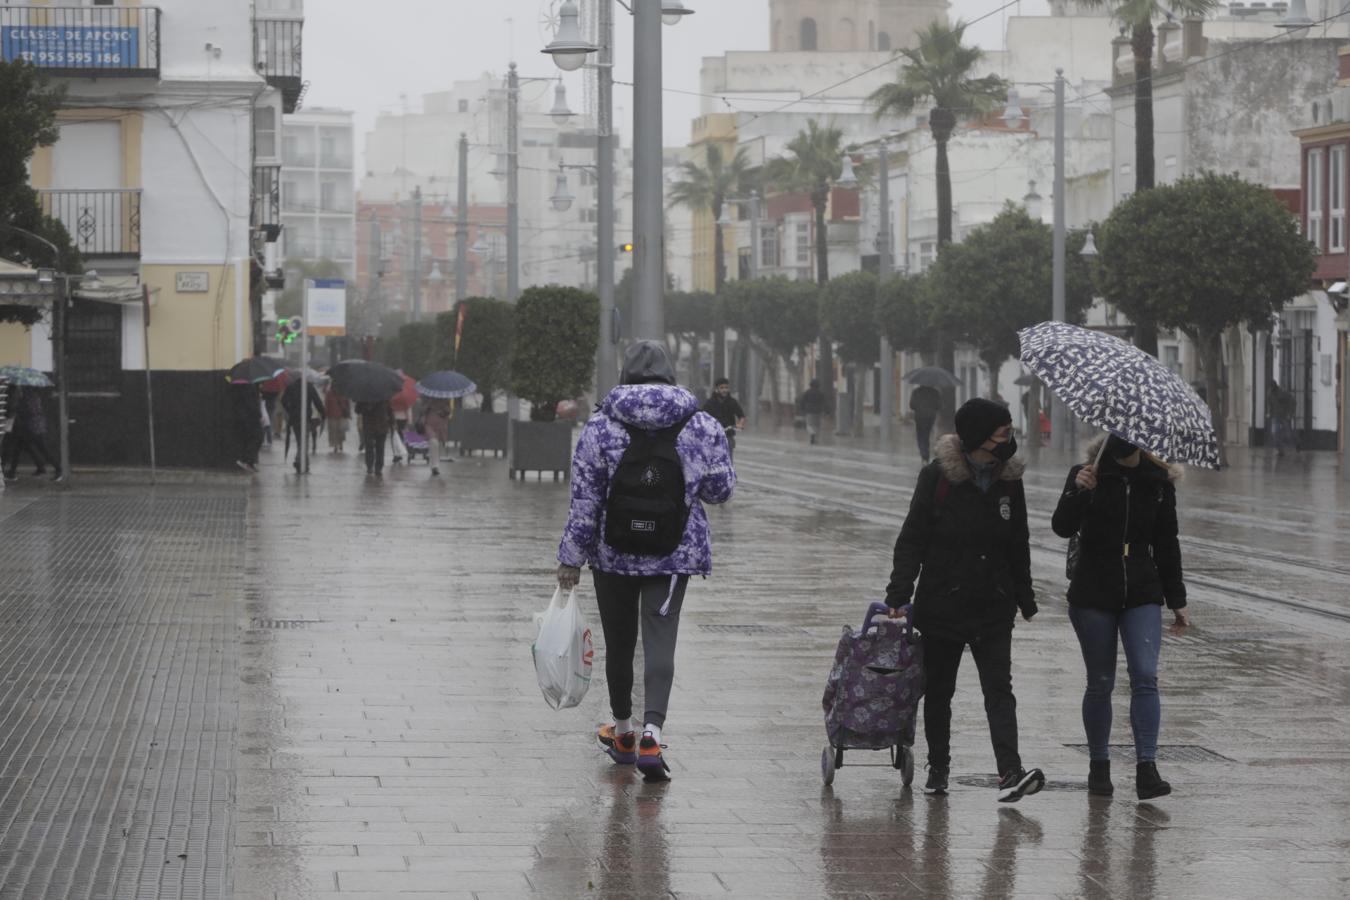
[{"x": 647, "y": 362}]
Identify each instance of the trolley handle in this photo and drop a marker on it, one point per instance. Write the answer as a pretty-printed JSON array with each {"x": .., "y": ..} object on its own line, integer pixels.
[{"x": 879, "y": 608}]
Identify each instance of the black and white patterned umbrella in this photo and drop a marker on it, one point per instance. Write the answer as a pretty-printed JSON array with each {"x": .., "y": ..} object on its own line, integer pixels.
[{"x": 1116, "y": 386}]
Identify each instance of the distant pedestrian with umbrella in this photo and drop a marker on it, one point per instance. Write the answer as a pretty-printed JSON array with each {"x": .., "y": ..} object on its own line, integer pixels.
[
  {"x": 246, "y": 411},
  {"x": 28, "y": 432},
  {"x": 1119, "y": 512},
  {"x": 377, "y": 421},
  {"x": 433, "y": 411},
  {"x": 925, "y": 402},
  {"x": 812, "y": 405},
  {"x": 302, "y": 423}
]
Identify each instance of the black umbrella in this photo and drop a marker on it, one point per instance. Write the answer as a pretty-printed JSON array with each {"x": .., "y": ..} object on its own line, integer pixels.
[
  {"x": 365, "y": 382},
  {"x": 256, "y": 369},
  {"x": 933, "y": 376}
]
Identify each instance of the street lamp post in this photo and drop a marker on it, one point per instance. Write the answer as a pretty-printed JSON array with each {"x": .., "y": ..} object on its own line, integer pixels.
[
  {"x": 884, "y": 267},
  {"x": 513, "y": 185},
  {"x": 462, "y": 224},
  {"x": 569, "y": 51}
]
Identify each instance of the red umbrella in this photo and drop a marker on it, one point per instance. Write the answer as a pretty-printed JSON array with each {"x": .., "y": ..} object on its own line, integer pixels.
[
  {"x": 276, "y": 385},
  {"x": 405, "y": 398}
]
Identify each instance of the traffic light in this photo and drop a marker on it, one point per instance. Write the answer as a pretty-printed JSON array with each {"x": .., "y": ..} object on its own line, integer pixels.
[
  {"x": 626, "y": 248},
  {"x": 288, "y": 330}
]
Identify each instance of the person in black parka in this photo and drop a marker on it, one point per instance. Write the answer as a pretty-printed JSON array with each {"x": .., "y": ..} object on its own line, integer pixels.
[
  {"x": 965, "y": 540},
  {"x": 1123, "y": 509}
]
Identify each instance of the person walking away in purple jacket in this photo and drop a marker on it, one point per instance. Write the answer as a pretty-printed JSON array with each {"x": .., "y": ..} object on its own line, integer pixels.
[{"x": 642, "y": 590}]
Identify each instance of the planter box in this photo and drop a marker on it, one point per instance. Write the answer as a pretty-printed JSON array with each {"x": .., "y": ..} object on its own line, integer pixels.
[
  {"x": 541, "y": 447},
  {"x": 476, "y": 431}
]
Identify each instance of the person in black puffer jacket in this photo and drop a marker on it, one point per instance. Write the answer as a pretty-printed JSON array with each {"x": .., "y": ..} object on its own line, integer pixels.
[
  {"x": 965, "y": 540},
  {"x": 1123, "y": 511}
]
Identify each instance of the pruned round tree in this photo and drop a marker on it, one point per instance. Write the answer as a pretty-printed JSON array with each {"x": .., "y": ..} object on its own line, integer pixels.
[
  {"x": 417, "y": 349},
  {"x": 553, "y": 359},
  {"x": 902, "y": 316},
  {"x": 779, "y": 315},
  {"x": 999, "y": 280},
  {"x": 1202, "y": 255},
  {"x": 848, "y": 308},
  {"x": 485, "y": 342}
]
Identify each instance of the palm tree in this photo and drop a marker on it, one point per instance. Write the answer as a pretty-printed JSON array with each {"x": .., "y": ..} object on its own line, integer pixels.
[
  {"x": 815, "y": 164},
  {"x": 939, "y": 70},
  {"x": 1138, "y": 16},
  {"x": 704, "y": 189}
]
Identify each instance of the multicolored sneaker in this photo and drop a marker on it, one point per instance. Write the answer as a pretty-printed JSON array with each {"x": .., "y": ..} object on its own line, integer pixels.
[
  {"x": 649, "y": 761},
  {"x": 622, "y": 748}
]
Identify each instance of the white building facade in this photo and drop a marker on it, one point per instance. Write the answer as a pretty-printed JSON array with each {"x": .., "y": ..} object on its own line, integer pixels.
[
  {"x": 153, "y": 178},
  {"x": 318, "y": 188}
]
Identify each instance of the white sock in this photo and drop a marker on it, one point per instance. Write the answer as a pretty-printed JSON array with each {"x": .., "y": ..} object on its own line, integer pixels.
[
  {"x": 623, "y": 726},
  {"x": 653, "y": 730}
]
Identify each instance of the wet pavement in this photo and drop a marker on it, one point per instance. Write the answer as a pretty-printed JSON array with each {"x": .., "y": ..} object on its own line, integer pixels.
[{"x": 290, "y": 688}]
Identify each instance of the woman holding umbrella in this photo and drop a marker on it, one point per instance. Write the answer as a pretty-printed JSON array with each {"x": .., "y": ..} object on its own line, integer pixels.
[
  {"x": 1119, "y": 511},
  {"x": 1121, "y": 505}
]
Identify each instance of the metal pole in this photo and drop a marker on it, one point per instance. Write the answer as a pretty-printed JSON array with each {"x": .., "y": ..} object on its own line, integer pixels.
[
  {"x": 754, "y": 274},
  {"x": 417, "y": 255},
  {"x": 302, "y": 427},
  {"x": 648, "y": 188},
  {"x": 60, "y": 317},
  {"x": 374, "y": 255},
  {"x": 462, "y": 223},
  {"x": 884, "y": 267},
  {"x": 606, "y": 354},
  {"x": 513, "y": 185},
  {"x": 1059, "y": 417},
  {"x": 149, "y": 392}
]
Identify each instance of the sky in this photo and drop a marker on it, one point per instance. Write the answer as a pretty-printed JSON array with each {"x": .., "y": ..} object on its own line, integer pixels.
[{"x": 363, "y": 57}]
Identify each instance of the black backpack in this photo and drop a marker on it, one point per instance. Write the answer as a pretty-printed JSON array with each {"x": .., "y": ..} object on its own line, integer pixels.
[{"x": 645, "y": 513}]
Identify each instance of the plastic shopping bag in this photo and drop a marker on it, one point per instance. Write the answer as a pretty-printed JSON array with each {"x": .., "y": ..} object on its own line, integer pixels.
[{"x": 563, "y": 652}]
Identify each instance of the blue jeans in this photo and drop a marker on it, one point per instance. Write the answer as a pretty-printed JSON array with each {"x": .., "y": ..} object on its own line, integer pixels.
[{"x": 1099, "y": 632}]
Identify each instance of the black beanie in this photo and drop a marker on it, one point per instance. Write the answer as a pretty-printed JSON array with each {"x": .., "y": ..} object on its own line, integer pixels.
[{"x": 977, "y": 419}]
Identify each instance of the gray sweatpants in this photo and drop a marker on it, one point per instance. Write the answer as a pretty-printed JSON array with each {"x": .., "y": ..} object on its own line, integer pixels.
[{"x": 654, "y": 603}]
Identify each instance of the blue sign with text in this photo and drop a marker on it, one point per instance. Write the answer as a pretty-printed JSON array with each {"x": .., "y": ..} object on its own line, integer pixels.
[{"x": 77, "y": 47}]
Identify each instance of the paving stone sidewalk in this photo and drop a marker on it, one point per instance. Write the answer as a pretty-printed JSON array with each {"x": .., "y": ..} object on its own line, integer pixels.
[{"x": 389, "y": 738}]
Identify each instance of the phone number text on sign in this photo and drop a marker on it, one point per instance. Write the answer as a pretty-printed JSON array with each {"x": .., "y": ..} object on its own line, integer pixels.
[{"x": 71, "y": 47}]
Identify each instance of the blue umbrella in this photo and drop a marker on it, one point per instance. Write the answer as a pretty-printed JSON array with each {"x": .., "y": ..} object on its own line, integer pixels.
[
  {"x": 1116, "y": 386},
  {"x": 23, "y": 376},
  {"x": 445, "y": 386}
]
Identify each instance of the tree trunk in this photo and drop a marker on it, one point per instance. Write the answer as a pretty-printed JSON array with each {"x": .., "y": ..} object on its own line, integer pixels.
[
  {"x": 943, "y": 123},
  {"x": 859, "y": 373},
  {"x": 719, "y": 280},
  {"x": 1142, "y": 44},
  {"x": 696, "y": 367},
  {"x": 1210, "y": 347},
  {"x": 826, "y": 372}
]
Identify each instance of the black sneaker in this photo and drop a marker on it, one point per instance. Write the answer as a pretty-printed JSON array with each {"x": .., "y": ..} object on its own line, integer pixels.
[
  {"x": 937, "y": 781},
  {"x": 1148, "y": 783},
  {"x": 1019, "y": 783}
]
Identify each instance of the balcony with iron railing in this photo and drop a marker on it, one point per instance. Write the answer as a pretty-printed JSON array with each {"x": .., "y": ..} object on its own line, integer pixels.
[
  {"x": 266, "y": 196},
  {"x": 277, "y": 53},
  {"x": 89, "y": 41},
  {"x": 101, "y": 223}
]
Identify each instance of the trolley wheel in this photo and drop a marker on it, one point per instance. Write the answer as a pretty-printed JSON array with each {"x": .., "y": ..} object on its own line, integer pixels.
[
  {"x": 906, "y": 766},
  {"x": 827, "y": 765}
]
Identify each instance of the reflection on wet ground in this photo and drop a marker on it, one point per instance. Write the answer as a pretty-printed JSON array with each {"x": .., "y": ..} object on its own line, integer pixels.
[{"x": 390, "y": 737}]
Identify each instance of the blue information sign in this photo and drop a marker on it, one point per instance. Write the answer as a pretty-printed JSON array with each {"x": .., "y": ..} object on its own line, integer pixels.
[{"x": 75, "y": 47}]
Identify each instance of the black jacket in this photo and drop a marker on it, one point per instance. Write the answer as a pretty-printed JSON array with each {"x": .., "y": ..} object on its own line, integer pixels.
[
  {"x": 726, "y": 410},
  {"x": 969, "y": 549},
  {"x": 812, "y": 402},
  {"x": 1128, "y": 550}
]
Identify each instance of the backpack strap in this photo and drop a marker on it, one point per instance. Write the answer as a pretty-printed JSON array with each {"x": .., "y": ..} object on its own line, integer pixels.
[
  {"x": 670, "y": 431},
  {"x": 940, "y": 492}
]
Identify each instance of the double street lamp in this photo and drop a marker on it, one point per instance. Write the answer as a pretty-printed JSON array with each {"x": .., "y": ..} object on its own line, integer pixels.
[{"x": 570, "y": 51}]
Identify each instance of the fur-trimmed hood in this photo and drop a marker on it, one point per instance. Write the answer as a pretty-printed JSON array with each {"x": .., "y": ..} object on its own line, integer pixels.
[
  {"x": 1175, "y": 473},
  {"x": 949, "y": 455}
]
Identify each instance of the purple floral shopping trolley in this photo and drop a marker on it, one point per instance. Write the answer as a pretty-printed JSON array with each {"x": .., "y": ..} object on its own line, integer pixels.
[{"x": 872, "y": 696}]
